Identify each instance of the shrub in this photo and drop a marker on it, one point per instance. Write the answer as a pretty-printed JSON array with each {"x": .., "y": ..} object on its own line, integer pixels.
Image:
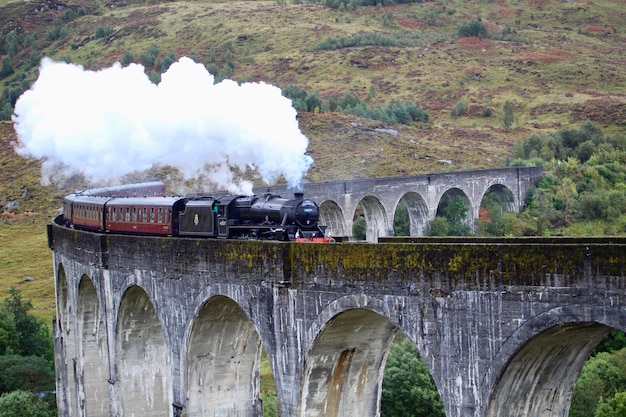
[
  {"x": 6, "y": 110},
  {"x": 34, "y": 335},
  {"x": 460, "y": 109},
  {"x": 613, "y": 407},
  {"x": 7, "y": 67},
  {"x": 585, "y": 150},
  {"x": 104, "y": 32},
  {"x": 57, "y": 32},
  {"x": 168, "y": 60},
  {"x": 508, "y": 117},
  {"x": 401, "y": 220},
  {"x": 23, "y": 404},
  {"x": 437, "y": 227},
  {"x": 270, "y": 404},
  {"x": 148, "y": 59},
  {"x": 394, "y": 112},
  {"x": 475, "y": 28},
  {"x": 358, "y": 228},
  {"x": 27, "y": 373},
  {"x": 128, "y": 58}
]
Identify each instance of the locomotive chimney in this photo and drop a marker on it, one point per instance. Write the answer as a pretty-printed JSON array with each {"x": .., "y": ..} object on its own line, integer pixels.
[{"x": 299, "y": 195}]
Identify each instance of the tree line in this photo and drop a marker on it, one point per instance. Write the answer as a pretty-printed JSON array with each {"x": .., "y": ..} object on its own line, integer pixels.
[
  {"x": 582, "y": 193},
  {"x": 393, "y": 111},
  {"x": 27, "y": 380}
]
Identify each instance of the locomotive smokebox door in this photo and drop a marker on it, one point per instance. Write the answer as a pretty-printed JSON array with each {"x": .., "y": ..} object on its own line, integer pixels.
[{"x": 198, "y": 219}]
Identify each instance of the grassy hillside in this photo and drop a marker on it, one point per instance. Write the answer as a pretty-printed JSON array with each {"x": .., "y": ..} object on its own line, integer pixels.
[
  {"x": 558, "y": 62},
  {"x": 25, "y": 260}
]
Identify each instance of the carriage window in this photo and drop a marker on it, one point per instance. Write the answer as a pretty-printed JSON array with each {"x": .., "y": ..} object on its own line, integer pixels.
[
  {"x": 127, "y": 214},
  {"x": 168, "y": 215},
  {"x": 145, "y": 215},
  {"x": 160, "y": 215},
  {"x": 134, "y": 214},
  {"x": 152, "y": 215},
  {"x": 114, "y": 214}
]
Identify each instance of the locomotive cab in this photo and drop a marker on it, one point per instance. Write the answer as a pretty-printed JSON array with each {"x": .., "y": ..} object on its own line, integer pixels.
[{"x": 199, "y": 217}]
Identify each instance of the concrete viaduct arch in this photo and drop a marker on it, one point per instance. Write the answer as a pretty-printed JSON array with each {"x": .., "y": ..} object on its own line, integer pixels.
[
  {"x": 178, "y": 324},
  {"x": 379, "y": 197}
]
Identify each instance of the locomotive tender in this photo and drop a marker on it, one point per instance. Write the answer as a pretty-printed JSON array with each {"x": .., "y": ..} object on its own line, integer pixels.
[{"x": 145, "y": 209}]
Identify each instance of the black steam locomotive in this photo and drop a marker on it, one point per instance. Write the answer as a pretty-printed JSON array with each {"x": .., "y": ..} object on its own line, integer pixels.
[{"x": 144, "y": 209}]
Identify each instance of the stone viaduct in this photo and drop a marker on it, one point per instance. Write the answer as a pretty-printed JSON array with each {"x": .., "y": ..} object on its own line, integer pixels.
[
  {"x": 176, "y": 327},
  {"x": 379, "y": 197}
]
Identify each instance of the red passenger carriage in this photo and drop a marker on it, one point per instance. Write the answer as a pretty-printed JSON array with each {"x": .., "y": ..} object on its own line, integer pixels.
[
  {"x": 144, "y": 215},
  {"x": 87, "y": 211}
]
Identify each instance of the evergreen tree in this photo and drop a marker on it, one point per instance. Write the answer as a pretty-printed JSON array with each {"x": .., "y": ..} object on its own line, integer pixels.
[
  {"x": 23, "y": 404},
  {"x": 508, "y": 117},
  {"x": 9, "y": 336},
  {"x": 34, "y": 335},
  {"x": 27, "y": 373},
  {"x": 408, "y": 387},
  {"x": 401, "y": 221},
  {"x": 602, "y": 377},
  {"x": 7, "y": 67},
  {"x": 613, "y": 407},
  {"x": 358, "y": 228}
]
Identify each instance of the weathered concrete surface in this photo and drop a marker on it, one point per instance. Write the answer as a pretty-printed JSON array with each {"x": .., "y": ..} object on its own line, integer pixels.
[
  {"x": 421, "y": 194},
  {"x": 175, "y": 326}
]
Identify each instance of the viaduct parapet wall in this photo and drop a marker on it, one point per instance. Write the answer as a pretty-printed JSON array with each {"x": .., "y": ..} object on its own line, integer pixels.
[{"x": 175, "y": 327}]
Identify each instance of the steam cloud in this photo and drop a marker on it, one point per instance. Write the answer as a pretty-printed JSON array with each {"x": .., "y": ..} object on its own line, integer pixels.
[{"x": 109, "y": 123}]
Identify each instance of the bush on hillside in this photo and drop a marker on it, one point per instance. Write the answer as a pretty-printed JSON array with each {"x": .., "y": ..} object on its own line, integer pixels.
[
  {"x": 393, "y": 112},
  {"x": 473, "y": 29},
  {"x": 586, "y": 182}
]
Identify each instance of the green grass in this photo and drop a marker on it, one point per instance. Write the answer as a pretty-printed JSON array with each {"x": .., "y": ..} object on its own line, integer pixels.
[{"x": 26, "y": 264}]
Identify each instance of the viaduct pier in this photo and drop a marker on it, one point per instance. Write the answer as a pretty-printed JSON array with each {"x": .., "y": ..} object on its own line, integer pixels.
[{"x": 175, "y": 327}]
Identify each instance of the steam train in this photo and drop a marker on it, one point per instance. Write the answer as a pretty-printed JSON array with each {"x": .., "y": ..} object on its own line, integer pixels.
[{"x": 145, "y": 209}]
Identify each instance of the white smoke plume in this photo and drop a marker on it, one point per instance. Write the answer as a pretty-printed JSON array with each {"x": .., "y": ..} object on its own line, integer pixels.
[{"x": 109, "y": 123}]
